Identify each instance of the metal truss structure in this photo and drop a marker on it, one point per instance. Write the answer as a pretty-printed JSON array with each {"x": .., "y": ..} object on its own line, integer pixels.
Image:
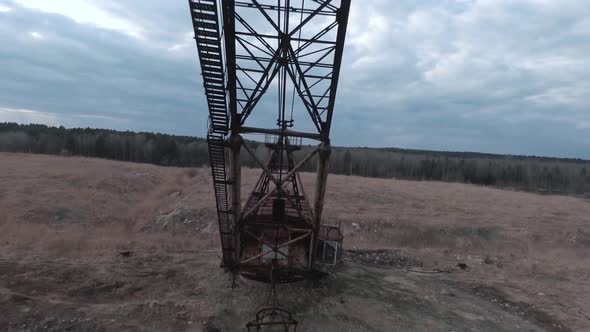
[{"x": 271, "y": 67}]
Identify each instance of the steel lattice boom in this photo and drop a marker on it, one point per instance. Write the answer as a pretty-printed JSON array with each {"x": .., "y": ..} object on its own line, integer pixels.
[{"x": 272, "y": 68}]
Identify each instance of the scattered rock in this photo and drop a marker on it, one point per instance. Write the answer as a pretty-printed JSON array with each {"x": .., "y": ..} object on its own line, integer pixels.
[
  {"x": 525, "y": 310},
  {"x": 384, "y": 257},
  {"x": 126, "y": 253},
  {"x": 462, "y": 266},
  {"x": 582, "y": 238},
  {"x": 183, "y": 219}
]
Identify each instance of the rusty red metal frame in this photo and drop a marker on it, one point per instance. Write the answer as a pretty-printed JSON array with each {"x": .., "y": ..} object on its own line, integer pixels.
[{"x": 240, "y": 62}]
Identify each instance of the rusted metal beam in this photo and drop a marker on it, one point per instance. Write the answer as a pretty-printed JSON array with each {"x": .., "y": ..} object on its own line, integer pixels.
[
  {"x": 276, "y": 248},
  {"x": 299, "y": 238},
  {"x": 342, "y": 20},
  {"x": 257, "y": 205},
  {"x": 265, "y": 197},
  {"x": 261, "y": 240},
  {"x": 301, "y": 163},
  {"x": 236, "y": 142},
  {"x": 321, "y": 183},
  {"x": 272, "y": 178},
  {"x": 279, "y": 132}
]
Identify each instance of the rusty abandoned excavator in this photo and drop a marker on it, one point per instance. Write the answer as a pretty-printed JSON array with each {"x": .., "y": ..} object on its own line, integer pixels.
[{"x": 271, "y": 68}]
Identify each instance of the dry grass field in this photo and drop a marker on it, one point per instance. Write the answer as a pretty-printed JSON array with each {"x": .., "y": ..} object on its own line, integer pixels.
[{"x": 64, "y": 222}]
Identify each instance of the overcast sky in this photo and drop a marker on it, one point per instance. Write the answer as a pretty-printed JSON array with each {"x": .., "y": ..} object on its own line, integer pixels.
[{"x": 462, "y": 75}]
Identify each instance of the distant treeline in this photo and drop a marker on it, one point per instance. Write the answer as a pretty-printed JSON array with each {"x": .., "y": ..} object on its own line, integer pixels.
[
  {"x": 539, "y": 174},
  {"x": 152, "y": 148}
]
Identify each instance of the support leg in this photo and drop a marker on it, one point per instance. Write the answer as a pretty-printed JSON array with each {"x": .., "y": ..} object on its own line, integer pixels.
[
  {"x": 236, "y": 178},
  {"x": 320, "y": 191}
]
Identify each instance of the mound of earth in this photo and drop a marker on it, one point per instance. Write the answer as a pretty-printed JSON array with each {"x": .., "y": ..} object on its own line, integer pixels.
[{"x": 186, "y": 220}]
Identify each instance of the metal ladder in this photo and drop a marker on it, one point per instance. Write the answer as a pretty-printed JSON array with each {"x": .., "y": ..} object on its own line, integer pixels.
[
  {"x": 216, "y": 145},
  {"x": 208, "y": 38}
]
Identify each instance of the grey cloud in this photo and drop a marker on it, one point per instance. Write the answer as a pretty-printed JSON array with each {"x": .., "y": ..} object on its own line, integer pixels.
[
  {"x": 80, "y": 69},
  {"x": 490, "y": 76},
  {"x": 481, "y": 75}
]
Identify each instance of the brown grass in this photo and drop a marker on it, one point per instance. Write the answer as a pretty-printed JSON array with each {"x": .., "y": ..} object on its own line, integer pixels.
[
  {"x": 72, "y": 208},
  {"x": 47, "y": 198}
]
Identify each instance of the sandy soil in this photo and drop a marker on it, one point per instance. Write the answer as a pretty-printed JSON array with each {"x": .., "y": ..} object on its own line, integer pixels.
[{"x": 96, "y": 245}]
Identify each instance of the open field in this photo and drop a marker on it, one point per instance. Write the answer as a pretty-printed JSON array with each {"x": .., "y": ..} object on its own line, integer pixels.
[{"x": 64, "y": 222}]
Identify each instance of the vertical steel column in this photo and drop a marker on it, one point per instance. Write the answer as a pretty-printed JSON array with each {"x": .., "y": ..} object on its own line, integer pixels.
[
  {"x": 235, "y": 140},
  {"x": 325, "y": 148},
  {"x": 320, "y": 192}
]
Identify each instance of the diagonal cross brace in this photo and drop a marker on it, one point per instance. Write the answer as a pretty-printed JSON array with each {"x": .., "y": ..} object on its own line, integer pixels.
[
  {"x": 297, "y": 167},
  {"x": 272, "y": 178},
  {"x": 274, "y": 247}
]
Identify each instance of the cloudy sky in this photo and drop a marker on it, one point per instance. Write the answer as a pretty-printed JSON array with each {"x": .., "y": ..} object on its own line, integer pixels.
[{"x": 463, "y": 75}]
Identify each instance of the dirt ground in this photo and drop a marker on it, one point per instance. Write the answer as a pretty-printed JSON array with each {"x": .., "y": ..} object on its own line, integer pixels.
[{"x": 97, "y": 245}]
